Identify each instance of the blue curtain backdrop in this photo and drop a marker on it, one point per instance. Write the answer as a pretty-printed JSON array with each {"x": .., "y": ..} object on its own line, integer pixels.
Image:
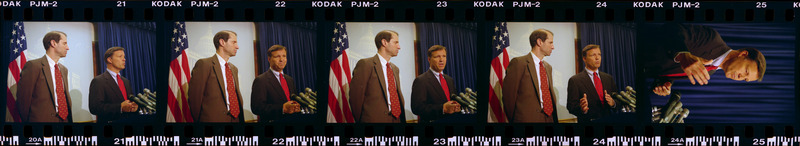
[
  {"x": 728, "y": 101},
  {"x": 461, "y": 42},
  {"x": 139, "y": 41},
  {"x": 617, "y": 43},
  {"x": 300, "y": 40}
]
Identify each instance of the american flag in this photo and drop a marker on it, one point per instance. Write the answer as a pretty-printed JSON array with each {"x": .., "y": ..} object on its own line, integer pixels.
[
  {"x": 179, "y": 75},
  {"x": 338, "y": 105},
  {"x": 18, "y": 48},
  {"x": 497, "y": 73}
]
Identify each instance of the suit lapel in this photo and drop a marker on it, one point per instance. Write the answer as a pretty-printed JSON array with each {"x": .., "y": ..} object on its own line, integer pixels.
[
  {"x": 113, "y": 84},
  {"x": 379, "y": 69},
  {"x": 532, "y": 70},
  {"x": 271, "y": 80},
  {"x": 48, "y": 77},
  {"x": 218, "y": 71},
  {"x": 588, "y": 85},
  {"x": 436, "y": 84}
]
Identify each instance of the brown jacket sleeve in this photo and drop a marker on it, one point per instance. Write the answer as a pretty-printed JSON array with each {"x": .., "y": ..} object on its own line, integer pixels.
[
  {"x": 27, "y": 80},
  {"x": 197, "y": 84},
  {"x": 511, "y": 82},
  {"x": 361, "y": 74}
]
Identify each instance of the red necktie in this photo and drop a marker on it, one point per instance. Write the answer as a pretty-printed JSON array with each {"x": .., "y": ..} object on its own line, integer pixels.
[
  {"x": 547, "y": 104},
  {"x": 122, "y": 87},
  {"x": 599, "y": 87},
  {"x": 444, "y": 87},
  {"x": 285, "y": 87},
  {"x": 62, "y": 98},
  {"x": 683, "y": 74},
  {"x": 393, "y": 92},
  {"x": 232, "y": 98}
]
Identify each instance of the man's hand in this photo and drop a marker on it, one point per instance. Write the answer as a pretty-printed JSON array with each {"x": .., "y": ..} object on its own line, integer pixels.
[
  {"x": 129, "y": 106},
  {"x": 694, "y": 67},
  {"x": 663, "y": 90},
  {"x": 609, "y": 100},
  {"x": 291, "y": 107},
  {"x": 451, "y": 107},
  {"x": 584, "y": 104}
]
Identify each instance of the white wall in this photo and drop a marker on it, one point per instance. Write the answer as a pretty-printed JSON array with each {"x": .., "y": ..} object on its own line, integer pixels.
[
  {"x": 79, "y": 60},
  {"x": 562, "y": 59},
  {"x": 200, "y": 36},
  {"x": 362, "y": 45}
]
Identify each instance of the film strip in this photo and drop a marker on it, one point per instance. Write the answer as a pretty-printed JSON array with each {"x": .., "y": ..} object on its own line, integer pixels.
[{"x": 284, "y": 55}]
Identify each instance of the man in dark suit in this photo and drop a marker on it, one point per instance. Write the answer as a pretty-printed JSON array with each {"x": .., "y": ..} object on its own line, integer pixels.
[
  {"x": 528, "y": 96},
  {"x": 42, "y": 94},
  {"x": 109, "y": 92},
  {"x": 270, "y": 97},
  {"x": 588, "y": 95},
  {"x": 430, "y": 93},
  {"x": 375, "y": 95},
  {"x": 214, "y": 88},
  {"x": 693, "y": 52}
]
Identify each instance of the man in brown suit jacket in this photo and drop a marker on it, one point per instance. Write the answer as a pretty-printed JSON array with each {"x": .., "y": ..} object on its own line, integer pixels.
[
  {"x": 109, "y": 92},
  {"x": 270, "y": 98},
  {"x": 214, "y": 88},
  {"x": 527, "y": 98},
  {"x": 373, "y": 99},
  {"x": 41, "y": 96}
]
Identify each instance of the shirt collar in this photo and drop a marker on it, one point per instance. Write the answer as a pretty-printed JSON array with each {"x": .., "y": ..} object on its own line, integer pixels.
[
  {"x": 277, "y": 73},
  {"x": 383, "y": 61},
  {"x": 221, "y": 60},
  {"x": 718, "y": 61},
  {"x": 435, "y": 73},
  {"x": 536, "y": 60},
  {"x": 113, "y": 74},
  {"x": 591, "y": 72},
  {"x": 50, "y": 61}
]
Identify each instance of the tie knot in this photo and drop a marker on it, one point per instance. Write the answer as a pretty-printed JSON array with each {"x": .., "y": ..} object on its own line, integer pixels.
[
  {"x": 281, "y": 74},
  {"x": 117, "y": 76},
  {"x": 226, "y": 64},
  {"x": 595, "y": 73},
  {"x": 387, "y": 65}
]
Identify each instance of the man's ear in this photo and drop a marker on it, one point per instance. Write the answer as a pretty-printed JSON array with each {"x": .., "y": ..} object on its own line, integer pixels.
[
  {"x": 53, "y": 43},
  {"x": 384, "y": 42},
  {"x": 744, "y": 53},
  {"x": 539, "y": 42},
  {"x": 221, "y": 42},
  {"x": 108, "y": 60}
]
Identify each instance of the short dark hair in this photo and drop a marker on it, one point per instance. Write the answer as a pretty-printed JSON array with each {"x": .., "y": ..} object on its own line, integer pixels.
[
  {"x": 274, "y": 48},
  {"x": 384, "y": 35},
  {"x": 435, "y": 48},
  {"x": 587, "y": 48},
  {"x": 53, "y": 35},
  {"x": 224, "y": 35},
  {"x": 110, "y": 52},
  {"x": 756, "y": 56},
  {"x": 538, "y": 34}
]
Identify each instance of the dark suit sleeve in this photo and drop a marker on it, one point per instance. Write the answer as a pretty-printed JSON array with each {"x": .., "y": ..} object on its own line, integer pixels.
[
  {"x": 98, "y": 104},
  {"x": 27, "y": 80},
  {"x": 259, "y": 101},
  {"x": 361, "y": 74},
  {"x": 511, "y": 85},
  {"x": 420, "y": 103},
  {"x": 197, "y": 84},
  {"x": 574, "y": 97}
]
